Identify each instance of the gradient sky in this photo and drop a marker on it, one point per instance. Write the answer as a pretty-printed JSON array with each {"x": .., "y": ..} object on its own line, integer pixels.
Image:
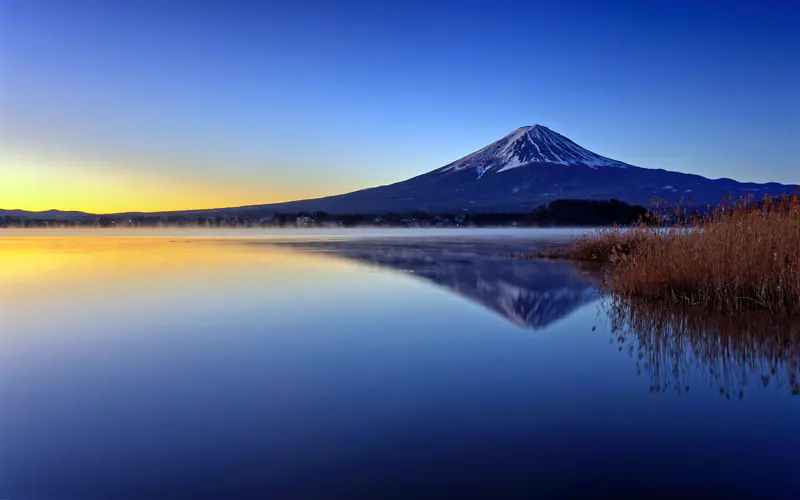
[{"x": 119, "y": 105}]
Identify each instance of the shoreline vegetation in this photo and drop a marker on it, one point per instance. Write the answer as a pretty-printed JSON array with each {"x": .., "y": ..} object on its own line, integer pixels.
[
  {"x": 741, "y": 255},
  {"x": 559, "y": 213}
]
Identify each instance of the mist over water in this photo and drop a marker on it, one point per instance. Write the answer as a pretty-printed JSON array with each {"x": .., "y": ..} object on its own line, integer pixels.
[
  {"x": 387, "y": 363},
  {"x": 548, "y": 235}
]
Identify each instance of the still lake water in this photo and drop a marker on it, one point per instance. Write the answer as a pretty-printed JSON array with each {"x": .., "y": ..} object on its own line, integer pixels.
[{"x": 372, "y": 365}]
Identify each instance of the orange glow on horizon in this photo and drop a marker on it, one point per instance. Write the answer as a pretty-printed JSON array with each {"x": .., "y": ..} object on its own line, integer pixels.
[{"x": 26, "y": 185}]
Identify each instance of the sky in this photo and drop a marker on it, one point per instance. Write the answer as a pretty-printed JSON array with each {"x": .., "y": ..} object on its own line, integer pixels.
[{"x": 112, "y": 106}]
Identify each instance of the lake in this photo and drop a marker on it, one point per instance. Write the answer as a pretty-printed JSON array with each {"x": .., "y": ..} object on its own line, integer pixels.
[{"x": 350, "y": 364}]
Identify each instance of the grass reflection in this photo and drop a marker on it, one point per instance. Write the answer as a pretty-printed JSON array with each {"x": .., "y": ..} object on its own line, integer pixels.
[{"x": 681, "y": 348}]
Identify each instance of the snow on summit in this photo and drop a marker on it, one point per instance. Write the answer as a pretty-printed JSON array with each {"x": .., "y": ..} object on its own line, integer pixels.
[{"x": 530, "y": 145}]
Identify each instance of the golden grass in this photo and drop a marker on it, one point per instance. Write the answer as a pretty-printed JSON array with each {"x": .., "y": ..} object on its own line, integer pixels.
[{"x": 742, "y": 255}]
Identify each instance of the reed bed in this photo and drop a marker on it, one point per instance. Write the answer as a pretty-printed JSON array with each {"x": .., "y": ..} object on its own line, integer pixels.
[{"x": 741, "y": 255}]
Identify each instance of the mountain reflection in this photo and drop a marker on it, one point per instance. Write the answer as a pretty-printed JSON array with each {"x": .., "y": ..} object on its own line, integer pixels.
[
  {"x": 680, "y": 348},
  {"x": 529, "y": 293}
]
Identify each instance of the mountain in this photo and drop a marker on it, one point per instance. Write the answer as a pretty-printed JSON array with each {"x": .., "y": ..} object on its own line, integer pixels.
[
  {"x": 530, "y": 294},
  {"x": 529, "y": 167},
  {"x": 47, "y": 215},
  {"x": 530, "y": 145}
]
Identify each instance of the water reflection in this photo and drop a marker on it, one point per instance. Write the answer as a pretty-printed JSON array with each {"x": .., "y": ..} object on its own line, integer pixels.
[
  {"x": 153, "y": 368},
  {"x": 530, "y": 293},
  {"x": 680, "y": 348}
]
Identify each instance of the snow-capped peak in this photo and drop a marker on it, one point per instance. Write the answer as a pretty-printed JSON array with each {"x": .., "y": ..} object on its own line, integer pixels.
[{"x": 529, "y": 145}]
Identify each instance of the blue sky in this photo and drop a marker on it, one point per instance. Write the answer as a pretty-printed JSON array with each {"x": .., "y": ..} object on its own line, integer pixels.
[{"x": 210, "y": 103}]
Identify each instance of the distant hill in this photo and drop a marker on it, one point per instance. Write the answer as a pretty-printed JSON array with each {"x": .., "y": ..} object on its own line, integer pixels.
[{"x": 47, "y": 214}]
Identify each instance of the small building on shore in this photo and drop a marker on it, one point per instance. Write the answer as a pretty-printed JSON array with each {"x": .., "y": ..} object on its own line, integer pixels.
[{"x": 304, "y": 221}]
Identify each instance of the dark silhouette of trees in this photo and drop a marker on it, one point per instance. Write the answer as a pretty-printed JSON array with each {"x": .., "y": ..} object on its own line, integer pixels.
[{"x": 558, "y": 213}]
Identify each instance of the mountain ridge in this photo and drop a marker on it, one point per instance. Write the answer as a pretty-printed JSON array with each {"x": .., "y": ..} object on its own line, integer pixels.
[{"x": 54, "y": 214}]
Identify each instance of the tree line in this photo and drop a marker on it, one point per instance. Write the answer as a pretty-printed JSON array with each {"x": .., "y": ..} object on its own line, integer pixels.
[{"x": 566, "y": 212}]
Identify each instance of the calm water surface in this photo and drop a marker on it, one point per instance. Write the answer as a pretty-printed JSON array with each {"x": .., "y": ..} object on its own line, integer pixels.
[{"x": 334, "y": 366}]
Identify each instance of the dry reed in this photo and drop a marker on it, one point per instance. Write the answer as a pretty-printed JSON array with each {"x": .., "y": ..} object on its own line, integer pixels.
[{"x": 740, "y": 255}]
